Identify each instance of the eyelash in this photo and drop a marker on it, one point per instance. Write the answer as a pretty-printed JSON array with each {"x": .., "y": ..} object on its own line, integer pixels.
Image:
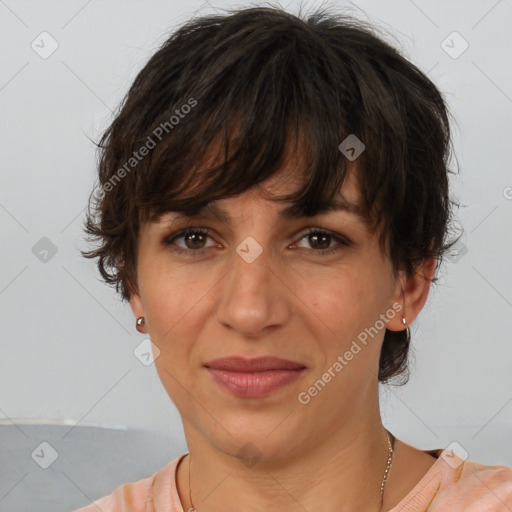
[{"x": 205, "y": 231}]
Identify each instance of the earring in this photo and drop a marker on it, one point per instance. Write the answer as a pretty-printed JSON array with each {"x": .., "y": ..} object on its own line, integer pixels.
[
  {"x": 139, "y": 323},
  {"x": 403, "y": 316},
  {"x": 406, "y": 328}
]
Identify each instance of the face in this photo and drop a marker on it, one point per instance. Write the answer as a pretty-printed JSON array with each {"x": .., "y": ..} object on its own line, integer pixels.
[{"x": 306, "y": 297}]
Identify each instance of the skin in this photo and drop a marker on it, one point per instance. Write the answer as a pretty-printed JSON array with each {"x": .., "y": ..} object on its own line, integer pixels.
[{"x": 329, "y": 454}]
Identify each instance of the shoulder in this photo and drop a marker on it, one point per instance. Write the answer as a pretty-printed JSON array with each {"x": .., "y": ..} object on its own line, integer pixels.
[
  {"x": 142, "y": 494},
  {"x": 460, "y": 486},
  {"x": 472, "y": 486}
]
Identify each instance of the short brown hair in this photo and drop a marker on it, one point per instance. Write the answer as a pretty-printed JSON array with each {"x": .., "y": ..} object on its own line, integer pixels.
[{"x": 257, "y": 78}]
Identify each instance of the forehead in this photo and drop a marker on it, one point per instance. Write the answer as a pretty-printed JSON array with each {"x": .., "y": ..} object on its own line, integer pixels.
[
  {"x": 289, "y": 179},
  {"x": 224, "y": 210},
  {"x": 292, "y": 175}
]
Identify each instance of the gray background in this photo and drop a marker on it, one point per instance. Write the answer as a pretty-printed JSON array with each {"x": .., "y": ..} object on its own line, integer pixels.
[{"x": 67, "y": 340}]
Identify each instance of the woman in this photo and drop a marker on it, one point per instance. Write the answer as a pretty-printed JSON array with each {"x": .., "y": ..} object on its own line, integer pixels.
[{"x": 274, "y": 204}]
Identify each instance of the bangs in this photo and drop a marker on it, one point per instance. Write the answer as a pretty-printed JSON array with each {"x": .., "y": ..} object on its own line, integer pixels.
[
  {"x": 275, "y": 101},
  {"x": 225, "y": 168}
]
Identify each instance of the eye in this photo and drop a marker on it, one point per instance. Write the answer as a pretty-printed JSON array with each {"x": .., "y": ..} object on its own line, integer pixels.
[
  {"x": 194, "y": 240},
  {"x": 321, "y": 238}
]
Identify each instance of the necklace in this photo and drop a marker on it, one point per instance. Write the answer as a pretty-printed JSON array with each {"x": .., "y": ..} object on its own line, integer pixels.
[{"x": 391, "y": 441}]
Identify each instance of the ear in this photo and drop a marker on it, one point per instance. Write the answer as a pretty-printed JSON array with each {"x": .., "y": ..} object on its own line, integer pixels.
[
  {"x": 138, "y": 309},
  {"x": 411, "y": 292}
]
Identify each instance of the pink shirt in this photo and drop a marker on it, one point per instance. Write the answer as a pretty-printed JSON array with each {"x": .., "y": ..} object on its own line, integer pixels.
[{"x": 450, "y": 485}]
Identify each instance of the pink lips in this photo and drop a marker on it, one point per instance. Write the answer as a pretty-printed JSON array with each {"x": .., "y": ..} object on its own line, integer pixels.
[{"x": 254, "y": 377}]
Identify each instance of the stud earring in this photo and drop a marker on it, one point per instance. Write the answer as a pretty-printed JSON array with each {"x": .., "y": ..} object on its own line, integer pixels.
[{"x": 140, "y": 322}]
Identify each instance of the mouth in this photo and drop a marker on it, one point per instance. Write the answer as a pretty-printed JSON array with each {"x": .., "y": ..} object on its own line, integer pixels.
[
  {"x": 257, "y": 364},
  {"x": 256, "y": 377}
]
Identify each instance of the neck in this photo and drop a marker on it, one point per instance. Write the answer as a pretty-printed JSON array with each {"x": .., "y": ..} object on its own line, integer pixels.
[{"x": 343, "y": 472}]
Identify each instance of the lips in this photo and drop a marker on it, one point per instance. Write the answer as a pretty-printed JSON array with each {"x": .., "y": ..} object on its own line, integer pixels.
[
  {"x": 259, "y": 364},
  {"x": 254, "y": 378}
]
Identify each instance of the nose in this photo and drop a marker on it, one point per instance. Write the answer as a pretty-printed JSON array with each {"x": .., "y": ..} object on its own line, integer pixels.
[{"x": 254, "y": 297}]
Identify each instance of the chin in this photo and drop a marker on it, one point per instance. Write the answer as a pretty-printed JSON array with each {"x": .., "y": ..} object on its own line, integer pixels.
[{"x": 253, "y": 441}]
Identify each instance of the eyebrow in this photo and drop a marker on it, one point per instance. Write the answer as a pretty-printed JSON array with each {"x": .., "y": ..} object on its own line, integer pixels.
[{"x": 213, "y": 210}]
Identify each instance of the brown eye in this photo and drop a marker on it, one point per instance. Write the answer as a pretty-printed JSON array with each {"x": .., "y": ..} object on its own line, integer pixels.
[
  {"x": 320, "y": 240},
  {"x": 193, "y": 239}
]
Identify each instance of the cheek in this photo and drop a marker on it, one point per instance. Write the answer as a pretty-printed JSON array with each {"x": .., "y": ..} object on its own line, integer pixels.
[
  {"x": 171, "y": 299},
  {"x": 172, "y": 303},
  {"x": 345, "y": 305},
  {"x": 338, "y": 298}
]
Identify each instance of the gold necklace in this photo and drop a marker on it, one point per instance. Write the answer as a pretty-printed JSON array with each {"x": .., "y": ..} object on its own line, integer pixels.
[
  {"x": 391, "y": 441},
  {"x": 390, "y": 438}
]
